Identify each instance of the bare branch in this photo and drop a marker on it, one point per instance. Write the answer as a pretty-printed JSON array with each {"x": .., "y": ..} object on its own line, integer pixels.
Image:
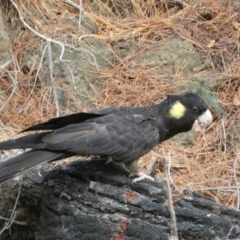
[
  {"x": 79, "y": 7},
  {"x": 10, "y": 221},
  {"x": 235, "y": 179},
  {"x": 174, "y": 231},
  {"x": 50, "y": 64}
]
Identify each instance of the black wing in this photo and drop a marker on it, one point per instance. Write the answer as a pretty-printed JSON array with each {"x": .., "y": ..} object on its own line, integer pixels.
[
  {"x": 60, "y": 122},
  {"x": 63, "y": 121},
  {"x": 125, "y": 138}
]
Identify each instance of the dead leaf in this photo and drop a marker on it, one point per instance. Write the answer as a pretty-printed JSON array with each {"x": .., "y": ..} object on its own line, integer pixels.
[
  {"x": 211, "y": 44},
  {"x": 236, "y": 24},
  {"x": 236, "y": 100}
]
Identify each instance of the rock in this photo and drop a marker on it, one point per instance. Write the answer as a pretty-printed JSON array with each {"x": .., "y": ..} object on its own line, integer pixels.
[
  {"x": 172, "y": 55},
  {"x": 5, "y": 44}
]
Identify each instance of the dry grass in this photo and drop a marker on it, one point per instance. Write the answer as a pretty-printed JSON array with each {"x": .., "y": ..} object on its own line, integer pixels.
[{"x": 211, "y": 26}]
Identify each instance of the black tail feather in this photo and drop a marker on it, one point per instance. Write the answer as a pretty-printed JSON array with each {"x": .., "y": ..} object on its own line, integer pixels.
[
  {"x": 27, "y": 160},
  {"x": 29, "y": 141}
]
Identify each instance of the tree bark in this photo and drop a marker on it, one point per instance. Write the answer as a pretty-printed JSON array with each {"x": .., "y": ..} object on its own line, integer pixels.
[{"x": 92, "y": 200}]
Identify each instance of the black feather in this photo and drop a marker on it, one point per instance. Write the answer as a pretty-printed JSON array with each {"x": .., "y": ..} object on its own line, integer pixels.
[
  {"x": 63, "y": 121},
  {"x": 26, "y": 160},
  {"x": 30, "y": 141}
]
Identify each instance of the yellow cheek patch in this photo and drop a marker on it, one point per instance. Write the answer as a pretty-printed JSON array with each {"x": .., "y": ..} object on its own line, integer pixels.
[{"x": 177, "y": 110}]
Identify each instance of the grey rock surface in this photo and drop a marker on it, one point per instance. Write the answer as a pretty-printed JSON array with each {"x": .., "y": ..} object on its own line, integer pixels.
[
  {"x": 5, "y": 44},
  {"x": 172, "y": 55}
]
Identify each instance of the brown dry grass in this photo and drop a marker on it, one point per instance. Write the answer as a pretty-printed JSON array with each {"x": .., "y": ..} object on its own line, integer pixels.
[{"x": 212, "y": 26}]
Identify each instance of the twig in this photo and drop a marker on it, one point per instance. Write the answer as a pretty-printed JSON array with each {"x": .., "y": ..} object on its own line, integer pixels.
[
  {"x": 5, "y": 129},
  {"x": 224, "y": 139},
  {"x": 36, "y": 76},
  {"x": 235, "y": 178},
  {"x": 220, "y": 188},
  {"x": 11, "y": 219},
  {"x": 169, "y": 168},
  {"x": 80, "y": 14},
  {"x": 14, "y": 86},
  {"x": 79, "y": 7},
  {"x": 50, "y": 64},
  {"x": 72, "y": 76},
  {"x": 88, "y": 52},
  {"x": 230, "y": 232},
  {"x": 174, "y": 232},
  {"x": 16, "y": 222},
  {"x": 5, "y": 64}
]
